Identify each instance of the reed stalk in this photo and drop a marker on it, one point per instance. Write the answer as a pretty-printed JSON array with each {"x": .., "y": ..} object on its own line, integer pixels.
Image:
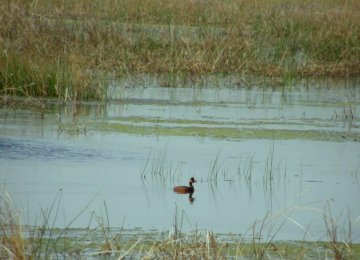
[{"x": 12, "y": 244}]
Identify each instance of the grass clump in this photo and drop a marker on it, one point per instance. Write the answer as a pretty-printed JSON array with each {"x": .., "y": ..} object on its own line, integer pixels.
[
  {"x": 12, "y": 244},
  {"x": 64, "y": 48}
]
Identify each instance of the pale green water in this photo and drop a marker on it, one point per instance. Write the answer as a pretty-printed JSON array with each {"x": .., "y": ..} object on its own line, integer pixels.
[{"x": 97, "y": 152}]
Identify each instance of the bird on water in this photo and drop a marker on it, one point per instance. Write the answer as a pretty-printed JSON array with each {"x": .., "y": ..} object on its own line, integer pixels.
[{"x": 186, "y": 189}]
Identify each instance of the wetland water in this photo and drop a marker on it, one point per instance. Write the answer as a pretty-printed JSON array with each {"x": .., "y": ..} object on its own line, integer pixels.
[{"x": 288, "y": 156}]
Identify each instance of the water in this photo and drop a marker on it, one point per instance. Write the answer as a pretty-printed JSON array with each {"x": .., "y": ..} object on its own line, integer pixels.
[{"x": 86, "y": 156}]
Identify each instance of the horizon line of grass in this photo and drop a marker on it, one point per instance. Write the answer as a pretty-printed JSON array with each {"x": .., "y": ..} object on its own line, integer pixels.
[{"x": 67, "y": 49}]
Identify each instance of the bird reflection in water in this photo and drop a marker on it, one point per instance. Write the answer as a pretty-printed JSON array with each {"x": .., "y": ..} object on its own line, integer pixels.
[{"x": 187, "y": 189}]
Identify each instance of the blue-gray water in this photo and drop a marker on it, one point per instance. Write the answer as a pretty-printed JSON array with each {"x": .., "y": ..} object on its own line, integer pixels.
[{"x": 67, "y": 158}]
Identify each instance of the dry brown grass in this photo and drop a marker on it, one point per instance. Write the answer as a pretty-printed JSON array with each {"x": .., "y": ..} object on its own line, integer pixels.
[{"x": 11, "y": 239}]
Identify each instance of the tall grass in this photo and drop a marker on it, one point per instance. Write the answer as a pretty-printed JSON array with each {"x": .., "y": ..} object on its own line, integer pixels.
[
  {"x": 12, "y": 244},
  {"x": 341, "y": 249},
  {"x": 67, "y": 48}
]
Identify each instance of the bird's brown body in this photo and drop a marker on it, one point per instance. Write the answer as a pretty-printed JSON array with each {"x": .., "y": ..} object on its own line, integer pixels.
[{"x": 185, "y": 189}]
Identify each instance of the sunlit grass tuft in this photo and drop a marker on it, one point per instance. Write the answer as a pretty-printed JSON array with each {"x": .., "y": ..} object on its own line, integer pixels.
[{"x": 12, "y": 244}]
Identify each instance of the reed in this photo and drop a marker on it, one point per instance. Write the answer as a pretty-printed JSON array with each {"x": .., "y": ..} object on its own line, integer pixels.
[
  {"x": 341, "y": 249},
  {"x": 160, "y": 168},
  {"x": 245, "y": 171},
  {"x": 67, "y": 49},
  {"x": 12, "y": 244},
  {"x": 215, "y": 169},
  {"x": 44, "y": 240}
]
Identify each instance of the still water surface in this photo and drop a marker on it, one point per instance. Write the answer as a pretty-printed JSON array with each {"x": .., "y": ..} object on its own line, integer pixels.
[{"x": 84, "y": 156}]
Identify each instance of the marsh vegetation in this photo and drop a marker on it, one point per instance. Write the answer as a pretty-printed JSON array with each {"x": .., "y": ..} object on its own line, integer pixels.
[
  {"x": 100, "y": 240},
  {"x": 68, "y": 49},
  {"x": 256, "y": 127}
]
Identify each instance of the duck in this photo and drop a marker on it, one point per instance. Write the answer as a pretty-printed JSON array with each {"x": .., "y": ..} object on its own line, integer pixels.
[{"x": 186, "y": 189}]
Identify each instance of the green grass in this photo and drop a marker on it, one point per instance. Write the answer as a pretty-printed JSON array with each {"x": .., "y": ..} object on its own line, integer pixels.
[{"x": 68, "y": 49}]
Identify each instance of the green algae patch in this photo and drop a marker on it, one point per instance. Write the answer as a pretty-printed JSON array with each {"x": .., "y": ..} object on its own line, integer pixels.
[
  {"x": 157, "y": 120},
  {"x": 232, "y": 133}
]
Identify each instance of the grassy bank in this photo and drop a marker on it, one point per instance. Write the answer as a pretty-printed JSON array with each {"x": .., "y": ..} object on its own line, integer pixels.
[{"x": 66, "y": 49}]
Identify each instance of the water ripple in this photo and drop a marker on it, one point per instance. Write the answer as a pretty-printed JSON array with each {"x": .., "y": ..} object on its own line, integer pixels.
[{"x": 15, "y": 149}]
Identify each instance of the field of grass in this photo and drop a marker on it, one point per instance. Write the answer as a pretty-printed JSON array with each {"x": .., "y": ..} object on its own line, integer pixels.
[{"x": 67, "y": 49}]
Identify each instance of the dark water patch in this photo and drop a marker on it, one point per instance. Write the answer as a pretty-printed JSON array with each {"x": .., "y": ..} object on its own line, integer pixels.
[{"x": 21, "y": 149}]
